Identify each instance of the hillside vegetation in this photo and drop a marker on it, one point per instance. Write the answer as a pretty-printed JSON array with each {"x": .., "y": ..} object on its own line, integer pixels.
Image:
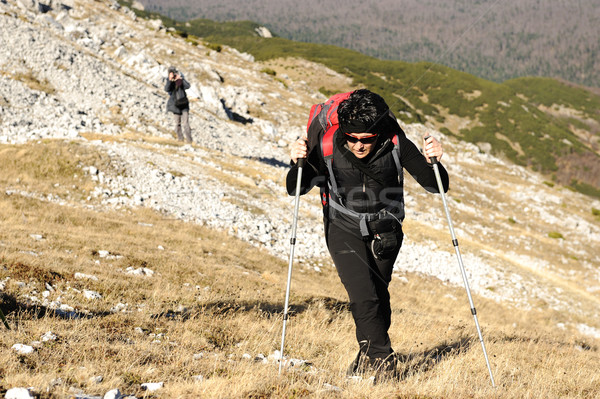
[
  {"x": 548, "y": 125},
  {"x": 495, "y": 40}
]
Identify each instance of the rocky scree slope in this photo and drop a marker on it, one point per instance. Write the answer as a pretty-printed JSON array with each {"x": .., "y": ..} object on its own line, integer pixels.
[{"x": 93, "y": 72}]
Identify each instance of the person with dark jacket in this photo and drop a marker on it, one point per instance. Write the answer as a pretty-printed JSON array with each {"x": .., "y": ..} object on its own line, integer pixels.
[
  {"x": 363, "y": 209},
  {"x": 178, "y": 103}
]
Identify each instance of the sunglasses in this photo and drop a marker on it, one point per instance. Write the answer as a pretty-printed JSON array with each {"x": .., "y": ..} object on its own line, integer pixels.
[{"x": 365, "y": 140}]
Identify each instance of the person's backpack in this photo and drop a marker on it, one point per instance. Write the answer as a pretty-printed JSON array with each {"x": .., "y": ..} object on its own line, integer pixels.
[{"x": 326, "y": 114}]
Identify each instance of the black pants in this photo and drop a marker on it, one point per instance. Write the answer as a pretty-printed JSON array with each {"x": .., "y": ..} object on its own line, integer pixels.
[{"x": 366, "y": 280}]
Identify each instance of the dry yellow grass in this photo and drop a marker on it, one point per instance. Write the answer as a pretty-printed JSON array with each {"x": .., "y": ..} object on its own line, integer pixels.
[{"x": 213, "y": 300}]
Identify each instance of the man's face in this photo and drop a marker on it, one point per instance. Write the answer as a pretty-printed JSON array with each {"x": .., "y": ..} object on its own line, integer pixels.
[{"x": 361, "y": 144}]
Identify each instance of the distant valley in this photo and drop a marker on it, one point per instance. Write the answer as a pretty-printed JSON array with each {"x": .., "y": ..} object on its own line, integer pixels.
[{"x": 495, "y": 40}]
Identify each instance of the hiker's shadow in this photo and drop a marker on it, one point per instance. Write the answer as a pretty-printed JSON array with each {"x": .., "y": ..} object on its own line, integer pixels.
[
  {"x": 414, "y": 363},
  {"x": 265, "y": 309},
  {"x": 11, "y": 305}
]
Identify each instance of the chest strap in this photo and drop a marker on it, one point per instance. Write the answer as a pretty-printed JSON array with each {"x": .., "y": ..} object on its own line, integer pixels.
[{"x": 336, "y": 200}]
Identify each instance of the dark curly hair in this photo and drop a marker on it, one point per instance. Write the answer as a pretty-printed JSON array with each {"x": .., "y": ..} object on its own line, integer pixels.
[{"x": 363, "y": 111}]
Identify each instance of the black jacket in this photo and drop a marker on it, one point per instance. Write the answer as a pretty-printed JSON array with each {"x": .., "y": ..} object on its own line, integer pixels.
[{"x": 364, "y": 183}]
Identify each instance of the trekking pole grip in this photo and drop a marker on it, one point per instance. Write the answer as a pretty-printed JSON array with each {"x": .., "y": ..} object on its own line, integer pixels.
[
  {"x": 301, "y": 162},
  {"x": 432, "y": 159}
]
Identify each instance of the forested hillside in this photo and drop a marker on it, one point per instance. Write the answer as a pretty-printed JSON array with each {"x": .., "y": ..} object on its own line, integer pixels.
[{"x": 495, "y": 40}]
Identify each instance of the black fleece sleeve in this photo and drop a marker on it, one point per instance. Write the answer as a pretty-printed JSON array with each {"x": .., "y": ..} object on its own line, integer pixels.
[{"x": 416, "y": 164}]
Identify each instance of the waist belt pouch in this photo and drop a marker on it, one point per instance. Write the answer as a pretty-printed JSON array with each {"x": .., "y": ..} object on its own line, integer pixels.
[{"x": 385, "y": 237}]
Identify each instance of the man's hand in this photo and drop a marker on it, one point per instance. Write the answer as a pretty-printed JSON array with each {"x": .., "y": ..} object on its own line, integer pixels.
[
  {"x": 299, "y": 149},
  {"x": 432, "y": 148}
]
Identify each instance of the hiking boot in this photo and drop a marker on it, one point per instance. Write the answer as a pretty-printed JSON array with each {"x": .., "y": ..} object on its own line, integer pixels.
[
  {"x": 385, "y": 369},
  {"x": 358, "y": 366},
  {"x": 361, "y": 363}
]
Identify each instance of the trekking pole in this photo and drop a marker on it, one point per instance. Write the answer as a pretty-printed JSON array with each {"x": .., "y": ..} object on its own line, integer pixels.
[
  {"x": 4, "y": 320},
  {"x": 301, "y": 162},
  {"x": 460, "y": 262}
]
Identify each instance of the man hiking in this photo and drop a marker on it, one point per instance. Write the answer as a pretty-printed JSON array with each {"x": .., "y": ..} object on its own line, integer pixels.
[{"x": 356, "y": 155}]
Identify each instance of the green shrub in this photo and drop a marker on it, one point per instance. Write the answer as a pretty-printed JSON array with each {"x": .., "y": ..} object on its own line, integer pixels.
[
  {"x": 447, "y": 131},
  {"x": 327, "y": 93},
  {"x": 282, "y": 82},
  {"x": 214, "y": 47},
  {"x": 554, "y": 234},
  {"x": 269, "y": 71},
  {"x": 181, "y": 33},
  {"x": 586, "y": 189}
]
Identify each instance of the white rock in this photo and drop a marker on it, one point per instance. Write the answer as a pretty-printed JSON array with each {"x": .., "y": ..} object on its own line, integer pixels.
[
  {"x": 49, "y": 336},
  {"x": 140, "y": 271},
  {"x": 263, "y": 32},
  {"x": 88, "y": 294},
  {"x": 113, "y": 394},
  {"x": 23, "y": 349},
  {"x": 97, "y": 379},
  {"x": 152, "y": 386},
  {"x": 119, "y": 307},
  {"x": 18, "y": 393},
  {"x": 81, "y": 276},
  {"x": 330, "y": 387},
  {"x": 587, "y": 330}
]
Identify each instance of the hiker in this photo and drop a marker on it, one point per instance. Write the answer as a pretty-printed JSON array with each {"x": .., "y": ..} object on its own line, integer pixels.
[
  {"x": 357, "y": 163},
  {"x": 178, "y": 103}
]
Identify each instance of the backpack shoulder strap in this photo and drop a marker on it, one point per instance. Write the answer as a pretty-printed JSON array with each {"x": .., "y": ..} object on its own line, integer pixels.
[
  {"x": 396, "y": 154},
  {"x": 314, "y": 111},
  {"x": 327, "y": 153},
  {"x": 327, "y": 142}
]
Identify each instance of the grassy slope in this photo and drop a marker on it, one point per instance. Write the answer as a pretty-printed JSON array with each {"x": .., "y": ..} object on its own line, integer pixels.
[
  {"x": 508, "y": 115},
  {"x": 214, "y": 299}
]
